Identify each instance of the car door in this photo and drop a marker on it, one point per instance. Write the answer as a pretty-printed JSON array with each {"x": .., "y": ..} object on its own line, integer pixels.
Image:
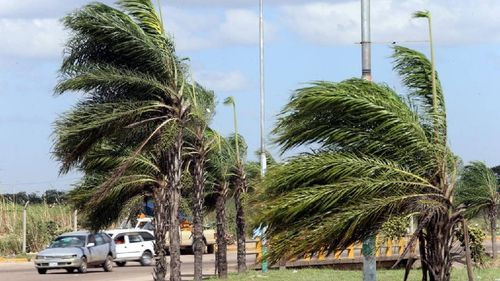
[
  {"x": 92, "y": 258},
  {"x": 102, "y": 248},
  {"x": 121, "y": 246},
  {"x": 149, "y": 241},
  {"x": 135, "y": 244}
]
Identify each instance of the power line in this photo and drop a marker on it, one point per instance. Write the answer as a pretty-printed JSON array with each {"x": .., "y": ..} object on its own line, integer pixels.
[{"x": 395, "y": 42}]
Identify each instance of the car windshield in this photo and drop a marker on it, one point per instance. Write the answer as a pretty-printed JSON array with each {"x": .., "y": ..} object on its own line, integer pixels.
[{"x": 68, "y": 241}]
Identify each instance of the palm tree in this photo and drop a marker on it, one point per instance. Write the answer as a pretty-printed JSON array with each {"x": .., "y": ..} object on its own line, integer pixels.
[
  {"x": 240, "y": 184},
  {"x": 376, "y": 155},
  {"x": 201, "y": 141},
  {"x": 142, "y": 178},
  {"x": 125, "y": 63},
  {"x": 478, "y": 190},
  {"x": 219, "y": 165}
]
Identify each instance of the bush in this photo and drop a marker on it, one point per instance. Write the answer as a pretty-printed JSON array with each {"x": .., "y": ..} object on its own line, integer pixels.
[
  {"x": 476, "y": 238},
  {"x": 395, "y": 228}
]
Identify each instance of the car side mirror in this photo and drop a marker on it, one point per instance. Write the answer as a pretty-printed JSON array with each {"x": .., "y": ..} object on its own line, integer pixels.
[{"x": 90, "y": 244}]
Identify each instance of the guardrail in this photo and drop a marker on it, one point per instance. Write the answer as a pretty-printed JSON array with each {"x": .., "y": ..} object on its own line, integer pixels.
[{"x": 386, "y": 251}]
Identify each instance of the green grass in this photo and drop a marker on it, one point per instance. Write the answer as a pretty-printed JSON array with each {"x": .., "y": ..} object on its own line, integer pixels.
[
  {"x": 491, "y": 274},
  {"x": 44, "y": 222}
]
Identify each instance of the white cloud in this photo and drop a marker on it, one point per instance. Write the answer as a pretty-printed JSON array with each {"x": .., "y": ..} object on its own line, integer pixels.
[
  {"x": 40, "y": 8},
  {"x": 192, "y": 30},
  {"x": 465, "y": 21},
  {"x": 195, "y": 30},
  {"x": 231, "y": 81},
  {"x": 241, "y": 26},
  {"x": 31, "y": 37}
]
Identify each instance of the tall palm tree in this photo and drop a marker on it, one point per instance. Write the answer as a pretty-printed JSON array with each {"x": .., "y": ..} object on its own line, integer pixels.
[
  {"x": 200, "y": 140},
  {"x": 376, "y": 155},
  {"x": 240, "y": 184},
  {"x": 134, "y": 85},
  {"x": 478, "y": 190},
  {"x": 219, "y": 170}
]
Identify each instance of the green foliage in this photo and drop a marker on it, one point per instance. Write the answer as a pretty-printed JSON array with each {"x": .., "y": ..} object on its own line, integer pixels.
[
  {"x": 375, "y": 158},
  {"x": 44, "y": 222},
  {"x": 476, "y": 239},
  {"x": 477, "y": 190},
  {"x": 395, "y": 228}
]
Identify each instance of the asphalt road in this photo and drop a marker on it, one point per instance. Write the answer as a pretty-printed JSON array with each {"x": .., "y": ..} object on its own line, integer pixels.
[{"x": 131, "y": 272}]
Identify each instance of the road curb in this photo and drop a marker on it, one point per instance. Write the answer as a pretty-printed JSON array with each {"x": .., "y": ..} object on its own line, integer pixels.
[{"x": 13, "y": 260}]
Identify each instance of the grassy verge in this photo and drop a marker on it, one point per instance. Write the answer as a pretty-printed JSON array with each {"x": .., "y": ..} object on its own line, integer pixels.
[
  {"x": 44, "y": 222},
  {"x": 490, "y": 274}
]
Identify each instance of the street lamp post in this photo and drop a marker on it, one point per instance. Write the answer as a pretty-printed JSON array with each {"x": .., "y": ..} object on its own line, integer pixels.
[
  {"x": 263, "y": 162},
  {"x": 368, "y": 250}
]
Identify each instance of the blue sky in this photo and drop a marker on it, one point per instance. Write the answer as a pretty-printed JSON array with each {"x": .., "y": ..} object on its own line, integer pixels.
[{"x": 305, "y": 41}]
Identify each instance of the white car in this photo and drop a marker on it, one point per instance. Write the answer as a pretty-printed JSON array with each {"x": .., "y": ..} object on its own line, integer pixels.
[{"x": 133, "y": 245}]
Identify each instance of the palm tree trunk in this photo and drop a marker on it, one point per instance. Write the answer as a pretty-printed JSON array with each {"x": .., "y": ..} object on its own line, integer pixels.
[
  {"x": 198, "y": 244},
  {"x": 468, "y": 258},
  {"x": 423, "y": 256},
  {"x": 160, "y": 196},
  {"x": 240, "y": 219},
  {"x": 493, "y": 219},
  {"x": 175, "y": 173},
  {"x": 220, "y": 206},
  {"x": 438, "y": 242}
]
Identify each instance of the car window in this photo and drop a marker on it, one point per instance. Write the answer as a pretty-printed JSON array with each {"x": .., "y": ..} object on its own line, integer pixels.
[
  {"x": 106, "y": 238},
  {"x": 120, "y": 239},
  {"x": 147, "y": 236},
  {"x": 91, "y": 238},
  {"x": 134, "y": 238},
  {"x": 99, "y": 240},
  {"x": 68, "y": 241}
]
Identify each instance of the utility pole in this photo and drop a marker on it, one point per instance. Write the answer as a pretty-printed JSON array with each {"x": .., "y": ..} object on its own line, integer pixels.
[
  {"x": 263, "y": 162},
  {"x": 368, "y": 250},
  {"x": 24, "y": 227},
  {"x": 75, "y": 220}
]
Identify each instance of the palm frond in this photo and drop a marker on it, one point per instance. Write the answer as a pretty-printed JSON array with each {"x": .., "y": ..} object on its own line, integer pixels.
[
  {"x": 354, "y": 115},
  {"x": 416, "y": 74},
  {"x": 145, "y": 13},
  {"x": 104, "y": 35}
]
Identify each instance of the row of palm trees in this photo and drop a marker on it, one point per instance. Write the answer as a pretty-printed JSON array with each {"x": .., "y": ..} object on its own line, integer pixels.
[{"x": 142, "y": 127}]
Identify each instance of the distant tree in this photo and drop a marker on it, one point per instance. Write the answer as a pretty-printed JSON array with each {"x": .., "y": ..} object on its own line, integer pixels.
[
  {"x": 496, "y": 170},
  {"x": 478, "y": 191},
  {"x": 239, "y": 183},
  {"x": 52, "y": 196},
  {"x": 219, "y": 170}
]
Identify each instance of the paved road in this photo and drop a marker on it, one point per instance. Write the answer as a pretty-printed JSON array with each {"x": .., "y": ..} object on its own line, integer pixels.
[{"x": 131, "y": 272}]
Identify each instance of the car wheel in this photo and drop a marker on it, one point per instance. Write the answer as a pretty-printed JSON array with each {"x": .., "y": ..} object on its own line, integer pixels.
[
  {"x": 108, "y": 264},
  {"x": 203, "y": 246},
  {"x": 70, "y": 270},
  {"x": 211, "y": 249},
  {"x": 121, "y": 263},
  {"x": 146, "y": 258},
  {"x": 42, "y": 270},
  {"x": 83, "y": 265}
]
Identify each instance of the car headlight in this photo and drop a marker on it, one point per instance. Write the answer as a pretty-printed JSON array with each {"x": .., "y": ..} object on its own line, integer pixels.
[
  {"x": 69, "y": 257},
  {"x": 37, "y": 257}
]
